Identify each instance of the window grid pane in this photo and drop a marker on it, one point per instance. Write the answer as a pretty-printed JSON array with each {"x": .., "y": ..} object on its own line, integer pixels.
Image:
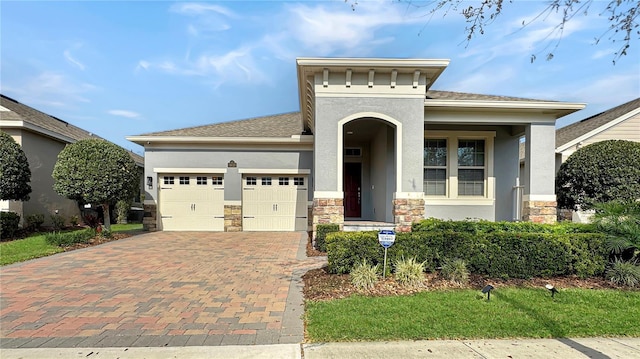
[
  {"x": 251, "y": 181},
  {"x": 435, "y": 181},
  {"x": 201, "y": 181},
  {"x": 298, "y": 181},
  {"x": 169, "y": 180},
  {"x": 216, "y": 181},
  {"x": 471, "y": 182},
  {"x": 435, "y": 152},
  {"x": 184, "y": 180},
  {"x": 266, "y": 181},
  {"x": 283, "y": 181}
]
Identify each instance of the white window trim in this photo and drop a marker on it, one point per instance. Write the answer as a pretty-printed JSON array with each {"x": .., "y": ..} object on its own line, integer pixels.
[{"x": 452, "y": 196}]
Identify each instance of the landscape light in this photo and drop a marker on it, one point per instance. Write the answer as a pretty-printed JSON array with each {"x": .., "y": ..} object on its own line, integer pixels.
[
  {"x": 552, "y": 289},
  {"x": 487, "y": 290}
]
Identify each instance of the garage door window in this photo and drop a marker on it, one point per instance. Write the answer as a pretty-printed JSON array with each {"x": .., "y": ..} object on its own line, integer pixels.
[
  {"x": 298, "y": 181},
  {"x": 266, "y": 181},
  {"x": 216, "y": 181},
  {"x": 283, "y": 181},
  {"x": 251, "y": 181},
  {"x": 184, "y": 180},
  {"x": 201, "y": 181},
  {"x": 168, "y": 180}
]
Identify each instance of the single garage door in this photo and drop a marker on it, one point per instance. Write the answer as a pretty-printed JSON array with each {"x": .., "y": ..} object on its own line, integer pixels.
[
  {"x": 191, "y": 202},
  {"x": 274, "y": 203}
]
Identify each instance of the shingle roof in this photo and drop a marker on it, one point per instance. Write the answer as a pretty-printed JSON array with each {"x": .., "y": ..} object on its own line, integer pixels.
[
  {"x": 571, "y": 132},
  {"x": 463, "y": 96},
  {"x": 288, "y": 124},
  {"x": 21, "y": 112},
  {"x": 284, "y": 125}
]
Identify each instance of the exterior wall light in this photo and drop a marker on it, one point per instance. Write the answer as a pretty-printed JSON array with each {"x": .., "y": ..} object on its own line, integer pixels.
[{"x": 150, "y": 182}]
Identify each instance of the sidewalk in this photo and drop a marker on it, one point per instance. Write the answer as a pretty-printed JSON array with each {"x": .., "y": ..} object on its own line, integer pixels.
[{"x": 597, "y": 348}]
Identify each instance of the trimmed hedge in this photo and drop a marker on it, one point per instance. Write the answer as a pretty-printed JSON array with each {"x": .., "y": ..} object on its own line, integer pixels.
[
  {"x": 497, "y": 254},
  {"x": 64, "y": 239},
  {"x": 321, "y": 233},
  {"x": 9, "y": 223},
  {"x": 482, "y": 226}
]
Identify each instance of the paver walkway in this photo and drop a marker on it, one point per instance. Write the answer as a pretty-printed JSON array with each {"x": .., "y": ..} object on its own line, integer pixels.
[{"x": 159, "y": 289}]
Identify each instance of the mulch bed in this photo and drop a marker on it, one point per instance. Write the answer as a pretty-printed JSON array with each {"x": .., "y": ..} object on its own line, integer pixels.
[
  {"x": 320, "y": 285},
  {"x": 98, "y": 239}
]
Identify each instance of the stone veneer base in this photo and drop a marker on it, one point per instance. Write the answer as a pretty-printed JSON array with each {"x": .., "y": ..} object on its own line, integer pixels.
[
  {"x": 233, "y": 218},
  {"x": 327, "y": 210},
  {"x": 406, "y": 212},
  {"x": 150, "y": 220},
  {"x": 539, "y": 211}
]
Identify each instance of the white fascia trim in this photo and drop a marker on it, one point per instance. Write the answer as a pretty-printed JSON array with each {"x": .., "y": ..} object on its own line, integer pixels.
[
  {"x": 328, "y": 194},
  {"x": 283, "y": 171},
  {"x": 232, "y": 203},
  {"x": 295, "y": 139},
  {"x": 458, "y": 202},
  {"x": 539, "y": 198},
  {"x": 458, "y": 134},
  {"x": 602, "y": 128},
  {"x": 524, "y": 105},
  {"x": 408, "y": 195},
  {"x": 38, "y": 129},
  {"x": 371, "y": 62},
  {"x": 367, "y": 95},
  {"x": 189, "y": 170}
]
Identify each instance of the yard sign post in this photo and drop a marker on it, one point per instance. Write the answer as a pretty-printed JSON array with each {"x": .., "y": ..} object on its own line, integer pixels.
[{"x": 386, "y": 239}]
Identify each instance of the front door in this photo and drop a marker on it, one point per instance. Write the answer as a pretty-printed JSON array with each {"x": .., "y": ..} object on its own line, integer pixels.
[{"x": 352, "y": 189}]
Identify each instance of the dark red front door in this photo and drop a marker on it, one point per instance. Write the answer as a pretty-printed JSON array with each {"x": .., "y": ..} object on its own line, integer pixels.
[{"x": 352, "y": 189}]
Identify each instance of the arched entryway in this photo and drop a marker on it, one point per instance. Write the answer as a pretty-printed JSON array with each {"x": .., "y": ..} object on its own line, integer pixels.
[{"x": 369, "y": 165}]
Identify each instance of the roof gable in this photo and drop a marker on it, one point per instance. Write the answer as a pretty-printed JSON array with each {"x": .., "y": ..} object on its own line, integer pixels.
[{"x": 597, "y": 123}]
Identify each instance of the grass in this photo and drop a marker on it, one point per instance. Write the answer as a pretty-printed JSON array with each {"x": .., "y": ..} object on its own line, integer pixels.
[
  {"x": 466, "y": 314},
  {"x": 35, "y": 245}
]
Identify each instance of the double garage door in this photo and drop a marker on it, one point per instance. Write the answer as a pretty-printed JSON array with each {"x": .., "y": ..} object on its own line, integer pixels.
[{"x": 195, "y": 202}]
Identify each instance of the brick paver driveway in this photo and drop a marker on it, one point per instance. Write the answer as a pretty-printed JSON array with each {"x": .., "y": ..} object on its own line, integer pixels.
[{"x": 159, "y": 289}]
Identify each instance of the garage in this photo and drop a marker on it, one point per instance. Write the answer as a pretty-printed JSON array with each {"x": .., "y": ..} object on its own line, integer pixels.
[
  {"x": 274, "y": 202},
  {"x": 191, "y": 202}
]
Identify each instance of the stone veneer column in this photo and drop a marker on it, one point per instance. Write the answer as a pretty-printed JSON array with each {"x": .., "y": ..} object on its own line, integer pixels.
[
  {"x": 150, "y": 220},
  {"x": 233, "y": 218},
  {"x": 407, "y": 211},
  {"x": 328, "y": 210},
  {"x": 539, "y": 211}
]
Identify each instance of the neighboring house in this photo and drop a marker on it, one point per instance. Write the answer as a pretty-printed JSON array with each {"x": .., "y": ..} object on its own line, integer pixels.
[
  {"x": 42, "y": 137},
  {"x": 372, "y": 142}
]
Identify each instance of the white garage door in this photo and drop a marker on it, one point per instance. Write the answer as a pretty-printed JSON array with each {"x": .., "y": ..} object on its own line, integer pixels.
[
  {"x": 274, "y": 203},
  {"x": 191, "y": 202}
]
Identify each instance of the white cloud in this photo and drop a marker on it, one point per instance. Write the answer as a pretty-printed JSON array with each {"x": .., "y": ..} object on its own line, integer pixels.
[
  {"x": 72, "y": 60},
  {"x": 191, "y": 8},
  {"x": 124, "y": 113},
  {"x": 51, "y": 89}
]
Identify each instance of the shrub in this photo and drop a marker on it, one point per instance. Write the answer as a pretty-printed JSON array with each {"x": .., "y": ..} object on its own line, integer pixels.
[
  {"x": 364, "y": 275},
  {"x": 456, "y": 271},
  {"x": 482, "y": 227},
  {"x": 122, "y": 210},
  {"x": 74, "y": 220},
  {"x": 9, "y": 222},
  {"x": 35, "y": 221},
  {"x": 600, "y": 172},
  {"x": 321, "y": 233},
  {"x": 57, "y": 221},
  {"x": 498, "y": 254},
  {"x": 91, "y": 220},
  {"x": 409, "y": 272},
  {"x": 624, "y": 273},
  {"x": 64, "y": 239}
]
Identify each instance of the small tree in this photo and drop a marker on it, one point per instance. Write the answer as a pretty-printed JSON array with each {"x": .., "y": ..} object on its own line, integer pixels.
[
  {"x": 601, "y": 172},
  {"x": 95, "y": 171},
  {"x": 15, "y": 174}
]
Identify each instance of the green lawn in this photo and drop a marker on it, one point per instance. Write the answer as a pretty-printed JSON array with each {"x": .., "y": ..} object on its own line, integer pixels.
[
  {"x": 35, "y": 246},
  {"x": 466, "y": 314}
]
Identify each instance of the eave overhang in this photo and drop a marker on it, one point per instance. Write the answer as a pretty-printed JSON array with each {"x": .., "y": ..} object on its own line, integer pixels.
[
  {"x": 557, "y": 109},
  {"x": 427, "y": 70},
  {"x": 293, "y": 140}
]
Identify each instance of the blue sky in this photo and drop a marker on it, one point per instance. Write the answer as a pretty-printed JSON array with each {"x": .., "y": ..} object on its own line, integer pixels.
[{"x": 119, "y": 68}]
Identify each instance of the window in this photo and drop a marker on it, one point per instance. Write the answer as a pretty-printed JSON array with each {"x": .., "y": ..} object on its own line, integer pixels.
[
  {"x": 298, "y": 181},
  {"x": 283, "y": 181},
  {"x": 435, "y": 167},
  {"x": 168, "y": 180},
  {"x": 266, "y": 181},
  {"x": 251, "y": 181},
  {"x": 216, "y": 181},
  {"x": 471, "y": 167},
  {"x": 184, "y": 180},
  {"x": 459, "y": 165},
  {"x": 201, "y": 181}
]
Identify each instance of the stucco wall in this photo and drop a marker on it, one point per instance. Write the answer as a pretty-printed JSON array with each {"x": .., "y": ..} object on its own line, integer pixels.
[
  {"x": 330, "y": 110},
  {"x": 42, "y": 154},
  {"x": 210, "y": 158}
]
